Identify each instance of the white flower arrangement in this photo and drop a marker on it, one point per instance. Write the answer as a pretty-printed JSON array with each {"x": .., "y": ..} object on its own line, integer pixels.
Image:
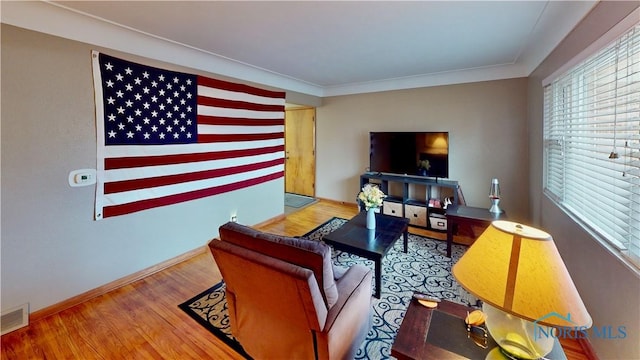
[
  {"x": 371, "y": 196},
  {"x": 424, "y": 164}
]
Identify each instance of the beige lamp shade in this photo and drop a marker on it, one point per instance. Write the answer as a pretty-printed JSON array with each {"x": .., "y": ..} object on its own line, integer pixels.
[{"x": 517, "y": 268}]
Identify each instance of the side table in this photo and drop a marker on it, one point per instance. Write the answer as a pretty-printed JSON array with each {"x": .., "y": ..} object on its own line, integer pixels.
[
  {"x": 448, "y": 338},
  {"x": 467, "y": 215}
]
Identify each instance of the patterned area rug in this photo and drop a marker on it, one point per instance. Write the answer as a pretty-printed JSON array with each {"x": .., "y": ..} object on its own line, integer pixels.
[{"x": 424, "y": 268}]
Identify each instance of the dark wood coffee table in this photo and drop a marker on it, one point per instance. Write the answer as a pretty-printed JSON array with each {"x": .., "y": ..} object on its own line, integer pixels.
[
  {"x": 467, "y": 215},
  {"x": 354, "y": 237},
  {"x": 441, "y": 333}
]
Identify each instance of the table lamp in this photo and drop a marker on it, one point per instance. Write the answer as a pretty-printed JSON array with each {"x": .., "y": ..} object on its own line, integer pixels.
[
  {"x": 525, "y": 288},
  {"x": 494, "y": 196}
]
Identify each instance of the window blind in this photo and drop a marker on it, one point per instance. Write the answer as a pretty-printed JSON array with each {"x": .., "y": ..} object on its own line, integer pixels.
[{"x": 592, "y": 142}]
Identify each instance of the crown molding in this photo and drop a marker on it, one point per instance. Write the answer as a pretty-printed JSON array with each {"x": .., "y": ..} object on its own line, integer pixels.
[
  {"x": 507, "y": 71},
  {"x": 57, "y": 20}
]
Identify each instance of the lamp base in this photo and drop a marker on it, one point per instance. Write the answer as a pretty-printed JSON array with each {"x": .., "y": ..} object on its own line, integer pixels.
[
  {"x": 515, "y": 336},
  {"x": 494, "y": 206},
  {"x": 496, "y": 354}
]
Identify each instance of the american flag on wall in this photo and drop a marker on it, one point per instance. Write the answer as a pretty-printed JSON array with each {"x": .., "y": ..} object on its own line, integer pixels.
[{"x": 165, "y": 137}]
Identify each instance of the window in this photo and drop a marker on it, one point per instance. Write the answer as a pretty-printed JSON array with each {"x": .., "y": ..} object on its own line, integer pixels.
[{"x": 592, "y": 142}]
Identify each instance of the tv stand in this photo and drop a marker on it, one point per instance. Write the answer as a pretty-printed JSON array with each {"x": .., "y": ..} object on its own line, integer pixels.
[{"x": 409, "y": 196}]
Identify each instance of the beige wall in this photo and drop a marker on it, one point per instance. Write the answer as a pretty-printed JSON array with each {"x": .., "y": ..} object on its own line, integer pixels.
[
  {"x": 52, "y": 250},
  {"x": 486, "y": 122},
  {"x": 609, "y": 288}
]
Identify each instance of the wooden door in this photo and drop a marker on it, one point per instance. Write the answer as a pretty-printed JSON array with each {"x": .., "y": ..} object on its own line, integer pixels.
[{"x": 300, "y": 151}]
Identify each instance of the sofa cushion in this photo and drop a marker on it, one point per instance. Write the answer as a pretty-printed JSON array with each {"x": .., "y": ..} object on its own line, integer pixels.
[{"x": 310, "y": 254}]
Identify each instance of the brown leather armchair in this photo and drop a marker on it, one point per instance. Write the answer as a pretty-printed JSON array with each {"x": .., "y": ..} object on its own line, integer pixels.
[{"x": 285, "y": 299}]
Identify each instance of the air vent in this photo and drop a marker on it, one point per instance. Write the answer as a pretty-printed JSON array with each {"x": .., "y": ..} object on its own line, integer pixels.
[{"x": 14, "y": 319}]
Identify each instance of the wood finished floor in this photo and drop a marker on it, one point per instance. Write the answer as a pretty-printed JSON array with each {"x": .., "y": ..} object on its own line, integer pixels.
[{"x": 142, "y": 320}]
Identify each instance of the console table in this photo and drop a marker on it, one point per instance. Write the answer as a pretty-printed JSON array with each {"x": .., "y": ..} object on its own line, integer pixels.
[
  {"x": 409, "y": 197},
  {"x": 467, "y": 215}
]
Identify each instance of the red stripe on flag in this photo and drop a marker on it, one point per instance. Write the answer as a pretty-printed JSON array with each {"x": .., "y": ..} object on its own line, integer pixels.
[
  {"x": 116, "y": 210},
  {"x": 225, "y": 85},
  {"x": 220, "y": 120},
  {"x": 236, "y": 104},
  {"x": 137, "y": 184},
  {"x": 141, "y": 161},
  {"x": 207, "y": 138}
]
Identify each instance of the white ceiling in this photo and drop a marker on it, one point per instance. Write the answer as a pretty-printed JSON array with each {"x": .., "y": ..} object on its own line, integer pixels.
[{"x": 350, "y": 47}]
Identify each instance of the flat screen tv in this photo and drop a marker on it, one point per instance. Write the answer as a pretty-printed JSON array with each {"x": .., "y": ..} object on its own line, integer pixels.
[{"x": 411, "y": 153}]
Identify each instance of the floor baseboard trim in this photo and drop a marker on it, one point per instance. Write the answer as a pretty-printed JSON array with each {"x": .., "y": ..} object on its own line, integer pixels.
[
  {"x": 76, "y": 300},
  {"x": 339, "y": 202},
  {"x": 269, "y": 221}
]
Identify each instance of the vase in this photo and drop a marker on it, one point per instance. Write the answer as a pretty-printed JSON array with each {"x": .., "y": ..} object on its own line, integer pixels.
[
  {"x": 371, "y": 236},
  {"x": 371, "y": 219}
]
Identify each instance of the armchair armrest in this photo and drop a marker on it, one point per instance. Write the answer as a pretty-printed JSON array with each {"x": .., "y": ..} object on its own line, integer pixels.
[{"x": 349, "y": 320}]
